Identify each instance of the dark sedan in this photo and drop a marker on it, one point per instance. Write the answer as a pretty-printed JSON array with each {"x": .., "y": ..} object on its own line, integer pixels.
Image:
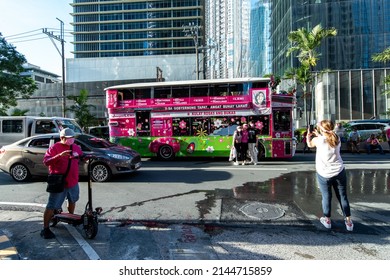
[{"x": 24, "y": 158}]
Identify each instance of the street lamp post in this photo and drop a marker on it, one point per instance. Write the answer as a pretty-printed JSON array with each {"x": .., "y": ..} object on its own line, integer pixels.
[
  {"x": 192, "y": 30},
  {"x": 62, "y": 54}
]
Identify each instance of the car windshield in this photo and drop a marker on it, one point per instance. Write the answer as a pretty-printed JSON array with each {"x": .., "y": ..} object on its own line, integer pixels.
[
  {"x": 70, "y": 124},
  {"x": 94, "y": 141}
]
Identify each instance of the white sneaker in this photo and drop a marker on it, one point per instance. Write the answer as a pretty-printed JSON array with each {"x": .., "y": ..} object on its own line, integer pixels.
[
  {"x": 326, "y": 222},
  {"x": 349, "y": 225},
  {"x": 243, "y": 163},
  {"x": 235, "y": 163},
  {"x": 255, "y": 163}
]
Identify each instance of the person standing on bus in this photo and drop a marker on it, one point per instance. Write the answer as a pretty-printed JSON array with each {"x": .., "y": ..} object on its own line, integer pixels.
[
  {"x": 244, "y": 143},
  {"x": 252, "y": 142},
  {"x": 330, "y": 171},
  {"x": 237, "y": 137}
]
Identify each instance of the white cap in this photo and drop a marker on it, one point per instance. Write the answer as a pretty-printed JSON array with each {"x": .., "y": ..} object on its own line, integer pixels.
[{"x": 67, "y": 133}]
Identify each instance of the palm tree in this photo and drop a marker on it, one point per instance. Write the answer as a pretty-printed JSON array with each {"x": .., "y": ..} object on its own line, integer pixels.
[
  {"x": 306, "y": 43},
  {"x": 384, "y": 57}
]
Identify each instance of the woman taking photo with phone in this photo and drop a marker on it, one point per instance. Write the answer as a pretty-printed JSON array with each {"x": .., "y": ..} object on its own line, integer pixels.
[{"x": 330, "y": 171}]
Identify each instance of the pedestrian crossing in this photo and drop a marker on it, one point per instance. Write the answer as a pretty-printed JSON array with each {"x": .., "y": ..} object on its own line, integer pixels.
[{"x": 7, "y": 251}]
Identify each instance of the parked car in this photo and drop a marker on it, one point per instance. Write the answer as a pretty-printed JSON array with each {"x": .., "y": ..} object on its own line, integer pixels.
[
  {"x": 365, "y": 129},
  {"x": 386, "y": 121},
  {"x": 24, "y": 158},
  {"x": 101, "y": 131}
]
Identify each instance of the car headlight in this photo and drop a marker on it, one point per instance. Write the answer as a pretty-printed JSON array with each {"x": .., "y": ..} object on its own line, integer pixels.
[{"x": 118, "y": 156}]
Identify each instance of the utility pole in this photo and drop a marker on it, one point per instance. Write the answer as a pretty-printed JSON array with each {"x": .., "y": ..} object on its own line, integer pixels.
[
  {"x": 192, "y": 30},
  {"x": 62, "y": 54}
]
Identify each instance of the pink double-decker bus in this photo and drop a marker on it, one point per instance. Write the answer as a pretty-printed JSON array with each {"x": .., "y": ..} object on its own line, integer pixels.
[{"x": 198, "y": 117}]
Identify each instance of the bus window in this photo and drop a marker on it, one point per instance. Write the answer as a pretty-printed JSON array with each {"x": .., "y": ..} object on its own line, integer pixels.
[
  {"x": 143, "y": 127},
  {"x": 261, "y": 123},
  {"x": 281, "y": 120},
  {"x": 220, "y": 126},
  {"x": 181, "y": 126},
  {"x": 198, "y": 91},
  {"x": 142, "y": 93},
  {"x": 219, "y": 90},
  {"x": 236, "y": 89},
  {"x": 163, "y": 92},
  {"x": 126, "y": 94},
  {"x": 199, "y": 127},
  {"x": 180, "y": 92}
]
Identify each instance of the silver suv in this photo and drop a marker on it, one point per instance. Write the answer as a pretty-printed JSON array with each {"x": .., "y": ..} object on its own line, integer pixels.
[{"x": 365, "y": 129}]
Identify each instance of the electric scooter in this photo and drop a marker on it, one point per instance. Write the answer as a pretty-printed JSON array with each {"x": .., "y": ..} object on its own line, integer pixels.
[{"x": 89, "y": 219}]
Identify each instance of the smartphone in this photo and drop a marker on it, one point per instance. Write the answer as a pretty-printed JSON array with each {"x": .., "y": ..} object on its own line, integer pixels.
[{"x": 311, "y": 128}]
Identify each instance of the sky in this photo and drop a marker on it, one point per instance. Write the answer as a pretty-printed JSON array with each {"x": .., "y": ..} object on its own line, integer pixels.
[{"x": 26, "y": 18}]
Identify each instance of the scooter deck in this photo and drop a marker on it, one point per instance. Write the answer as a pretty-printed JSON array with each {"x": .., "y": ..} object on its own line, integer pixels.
[{"x": 68, "y": 216}]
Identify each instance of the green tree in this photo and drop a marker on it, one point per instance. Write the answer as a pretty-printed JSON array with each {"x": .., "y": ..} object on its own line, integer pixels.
[
  {"x": 384, "y": 57},
  {"x": 306, "y": 43},
  {"x": 19, "y": 112},
  {"x": 12, "y": 84},
  {"x": 82, "y": 109}
]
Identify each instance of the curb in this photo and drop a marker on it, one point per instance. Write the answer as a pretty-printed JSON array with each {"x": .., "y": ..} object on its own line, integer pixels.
[{"x": 7, "y": 250}]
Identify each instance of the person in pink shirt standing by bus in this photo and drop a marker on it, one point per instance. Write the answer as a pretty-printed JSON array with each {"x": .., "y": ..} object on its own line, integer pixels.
[
  {"x": 57, "y": 158},
  {"x": 244, "y": 143}
]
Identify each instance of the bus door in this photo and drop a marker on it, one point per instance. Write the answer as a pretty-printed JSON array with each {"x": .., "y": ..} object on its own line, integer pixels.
[
  {"x": 282, "y": 132},
  {"x": 142, "y": 119}
]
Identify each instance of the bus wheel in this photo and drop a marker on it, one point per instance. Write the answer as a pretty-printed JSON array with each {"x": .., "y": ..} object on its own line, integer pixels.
[
  {"x": 165, "y": 152},
  {"x": 261, "y": 152}
]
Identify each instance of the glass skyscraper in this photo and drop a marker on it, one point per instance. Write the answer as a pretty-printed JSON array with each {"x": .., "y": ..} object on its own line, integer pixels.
[
  {"x": 353, "y": 90},
  {"x": 115, "y": 28}
]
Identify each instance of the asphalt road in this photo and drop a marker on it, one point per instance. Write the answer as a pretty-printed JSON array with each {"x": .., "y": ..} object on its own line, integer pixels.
[{"x": 210, "y": 210}]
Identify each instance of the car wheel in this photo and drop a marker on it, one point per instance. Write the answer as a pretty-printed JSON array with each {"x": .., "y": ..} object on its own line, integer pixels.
[
  {"x": 166, "y": 153},
  {"x": 20, "y": 172},
  {"x": 100, "y": 172}
]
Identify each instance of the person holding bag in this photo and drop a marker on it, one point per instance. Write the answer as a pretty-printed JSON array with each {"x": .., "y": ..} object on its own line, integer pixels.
[
  {"x": 237, "y": 137},
  {"x": 59, "y": 158}
]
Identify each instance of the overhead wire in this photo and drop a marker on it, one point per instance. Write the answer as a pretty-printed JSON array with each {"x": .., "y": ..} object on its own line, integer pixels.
[{"x": 15, "y": 38}]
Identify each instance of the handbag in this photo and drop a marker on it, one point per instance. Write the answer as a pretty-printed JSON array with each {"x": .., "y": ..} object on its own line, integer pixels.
[
  {"x": 56, "y": 182},
  {"x": 233, "y": 154}
]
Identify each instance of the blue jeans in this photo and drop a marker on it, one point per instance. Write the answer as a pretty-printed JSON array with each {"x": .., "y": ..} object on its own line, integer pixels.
[
  {"x": 373, "y": 147},
  {"x": 339, "y": 185}
]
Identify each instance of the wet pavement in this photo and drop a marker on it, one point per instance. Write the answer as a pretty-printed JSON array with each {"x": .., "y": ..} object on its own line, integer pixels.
[{"x": 272, "y": 219}]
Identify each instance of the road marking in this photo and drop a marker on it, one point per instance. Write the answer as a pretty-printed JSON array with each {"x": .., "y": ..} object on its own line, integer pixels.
[
  {"x": 247, "y": 168},
  {"x": 91, "y": 253},
  {"x": 23, "y": 204},
  {"x": 221, "y": 168}
]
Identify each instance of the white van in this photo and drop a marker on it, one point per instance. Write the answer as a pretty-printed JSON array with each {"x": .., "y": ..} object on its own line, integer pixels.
[{"x": 13, "y": 129}]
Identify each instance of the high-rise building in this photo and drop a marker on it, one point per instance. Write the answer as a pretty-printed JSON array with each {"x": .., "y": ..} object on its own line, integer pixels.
[
  {"x": 228, "y": 28},
  {"x": 124, "y": 40},
  {"x": 260, "y": 46},
  {"x": 353, "y": 90}
]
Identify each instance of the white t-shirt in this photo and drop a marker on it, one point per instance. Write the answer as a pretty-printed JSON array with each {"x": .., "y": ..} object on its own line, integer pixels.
[{"x": 328, "y": 160}]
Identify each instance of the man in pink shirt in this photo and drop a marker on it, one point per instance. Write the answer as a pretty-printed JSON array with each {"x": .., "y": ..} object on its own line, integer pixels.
[
  {"x": 57, "y": 158},
  {"x": 373, "y": 143}
]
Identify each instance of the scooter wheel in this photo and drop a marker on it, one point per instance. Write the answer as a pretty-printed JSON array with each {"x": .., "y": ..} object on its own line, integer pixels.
[{"x": 91, "y": 229}]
